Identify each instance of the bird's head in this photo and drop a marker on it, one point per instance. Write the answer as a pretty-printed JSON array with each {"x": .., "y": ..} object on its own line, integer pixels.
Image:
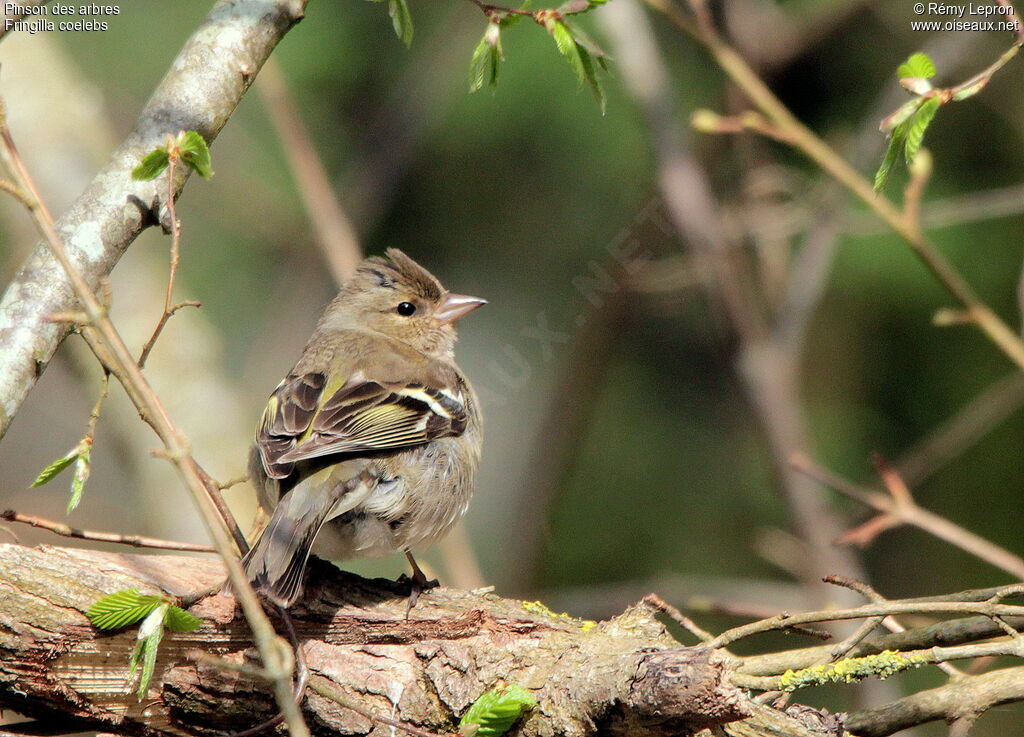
[{"x": 397, "y": 297}]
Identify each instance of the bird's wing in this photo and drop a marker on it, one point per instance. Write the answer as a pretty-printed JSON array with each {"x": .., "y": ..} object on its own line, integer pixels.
[{"x": 303, "y": 421}]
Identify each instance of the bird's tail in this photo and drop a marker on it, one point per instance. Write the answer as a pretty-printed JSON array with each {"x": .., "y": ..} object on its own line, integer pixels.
[{"x": 277, "y": 561}]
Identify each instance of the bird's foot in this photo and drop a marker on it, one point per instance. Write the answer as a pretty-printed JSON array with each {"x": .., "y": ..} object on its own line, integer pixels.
[{"x": 418, "y": 583}]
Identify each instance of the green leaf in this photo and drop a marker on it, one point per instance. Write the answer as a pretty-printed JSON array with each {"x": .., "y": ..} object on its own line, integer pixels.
[
  {"x": 178, "y": 620},
  {"x": 122, "y": 608},
  {"x": 401, "y": 19},
  {"x": 150, "y": 634},
  {"x": 486, "y": 56},
  {"x": 918, "y": 65},
  {"x": 892, "y": 155},
  {"x": 82, "y": 469},
  {"x": 49, "y": 473},
  {"x": 903, "y": 112},
  {"x": 195, "y": 154},
  {"x": 580, "y": 58},
  {"x": 591, "y": 75},
  {"x": 568, "y": 48},
  {"x": 152, "y": 165},
  {"x": 496, "y": 711},
  {"x": 917, "y": 125}
]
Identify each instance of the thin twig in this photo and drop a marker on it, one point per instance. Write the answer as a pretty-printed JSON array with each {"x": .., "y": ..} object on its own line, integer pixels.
[
  {"x": 787, "y": 620},
  {"x": 897, "y": 510},
  {"x": 169, "y": 308},
  {"x": 844, "y": 648},
  {"x": 217, "y": 518},
  {"x": 333, "y": 229},
  {"x": 804, "y": 140},
  {"x": 656, "y": 602},
  {"x": 137, "y": 541}
]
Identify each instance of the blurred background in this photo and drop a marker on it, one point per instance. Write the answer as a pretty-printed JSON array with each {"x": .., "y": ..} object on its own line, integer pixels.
[{"x": 671, "y": 315}]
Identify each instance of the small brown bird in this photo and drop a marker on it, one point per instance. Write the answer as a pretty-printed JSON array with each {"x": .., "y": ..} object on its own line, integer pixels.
[{"x": 371, "y": 443}]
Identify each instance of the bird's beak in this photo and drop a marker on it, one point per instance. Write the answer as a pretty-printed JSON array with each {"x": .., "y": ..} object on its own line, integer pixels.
[{"x": 456, "y": 306}]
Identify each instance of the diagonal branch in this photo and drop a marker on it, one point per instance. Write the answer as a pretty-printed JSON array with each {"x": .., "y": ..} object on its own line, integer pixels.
[{"x": 200, "y": 92}]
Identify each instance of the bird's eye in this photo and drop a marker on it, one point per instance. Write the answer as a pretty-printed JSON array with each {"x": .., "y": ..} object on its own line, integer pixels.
[{"x": 405, "y": 309}]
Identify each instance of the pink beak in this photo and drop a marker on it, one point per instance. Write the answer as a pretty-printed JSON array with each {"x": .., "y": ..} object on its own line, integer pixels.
[{"x": 456, "y": 306}]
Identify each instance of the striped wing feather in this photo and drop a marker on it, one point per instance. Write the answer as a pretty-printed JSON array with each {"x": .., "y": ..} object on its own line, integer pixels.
[{"x": 300, "y": 423}]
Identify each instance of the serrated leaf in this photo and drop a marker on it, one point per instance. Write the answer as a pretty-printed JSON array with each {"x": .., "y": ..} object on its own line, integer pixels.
[
  {"x": 568, "y": 48},
  {"x": 496, "y": 711},
  {"x": 195, "y": 154},
  {"x": 178, "y": 620},
  {"x": 82, "y": 469},
  {"x": 49, "y": 473},
  {"x": 591, "y": 76},
  {"x": 122, "y": 608},
  {"x": 401, "y": 20},
  {"x": 917, "y": 125},
  {"x": 892, "y": 155},
  {"x": 152, "y": 165},
  {"x": 150, "y": 634},
  {"x": 483, "y": 67},
  {"x": 918, "y": 65}
]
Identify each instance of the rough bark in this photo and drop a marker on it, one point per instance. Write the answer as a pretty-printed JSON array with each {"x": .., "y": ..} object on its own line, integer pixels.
[
  {"x": 622, "y": 676},
  {"x": 200, "y": 92}
]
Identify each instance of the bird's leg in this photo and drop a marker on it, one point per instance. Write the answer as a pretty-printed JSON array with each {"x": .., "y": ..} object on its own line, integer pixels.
[{"x": 418, "y": 583}]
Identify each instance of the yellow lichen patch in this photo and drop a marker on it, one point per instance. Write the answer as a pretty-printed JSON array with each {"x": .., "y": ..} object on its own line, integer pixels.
[
  {"x": 849, "y": 670},
  {"x": 537, "y": 607}
]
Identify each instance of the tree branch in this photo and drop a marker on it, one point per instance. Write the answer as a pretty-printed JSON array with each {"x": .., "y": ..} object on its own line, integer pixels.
[
  {"x": 625, "y": 675},
  {"x": 200, "y": 92}
]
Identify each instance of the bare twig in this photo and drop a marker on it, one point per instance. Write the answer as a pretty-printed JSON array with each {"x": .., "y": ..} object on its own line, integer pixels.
[
  {"x": 138, "y": 541},
  {"x": 969, "y": 425},
  {"x": 203, "y": 86},
  {"x": 948, "y": 702},
  {"x": 900, "y": 508},
  {"x": 844, "y": 648},
  {"x": 804, "y": 140},
  {"x": 786, "y": 620},
  {"x": 332, "y": 228},
  {"x": 173, "y": 154},
  {"x": 685, "y": 622}
]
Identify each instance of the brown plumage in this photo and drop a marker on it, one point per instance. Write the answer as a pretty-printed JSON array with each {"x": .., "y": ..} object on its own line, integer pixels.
[{"x": 372, "y": 441}]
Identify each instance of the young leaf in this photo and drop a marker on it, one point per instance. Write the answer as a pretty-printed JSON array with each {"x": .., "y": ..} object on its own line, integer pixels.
[
  {"x": 178, "y": 620},
  {"x": 195, "y": 154},
  {"x": 401, "y": 19},
  {"x": 496, "y": 711},
  {"x": 903, "y": 112},
  {"x": 568, "y": 48},
  {"x": 150, "y": 634},
  {"x": 50, "y": 472},
  {"x": 486, "y": 56},
  {"x": 582, "y": 39},
  {"x": 122, "y": 608},
  {"x": 892, "y": 155},
  {"x": 152, "y": 165},
  {"x": 918, "y": 65},
  {"x": 591, "y": 75},
  {"x": 917, "y": 125},
  {"x": 82, "y": 468}
]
